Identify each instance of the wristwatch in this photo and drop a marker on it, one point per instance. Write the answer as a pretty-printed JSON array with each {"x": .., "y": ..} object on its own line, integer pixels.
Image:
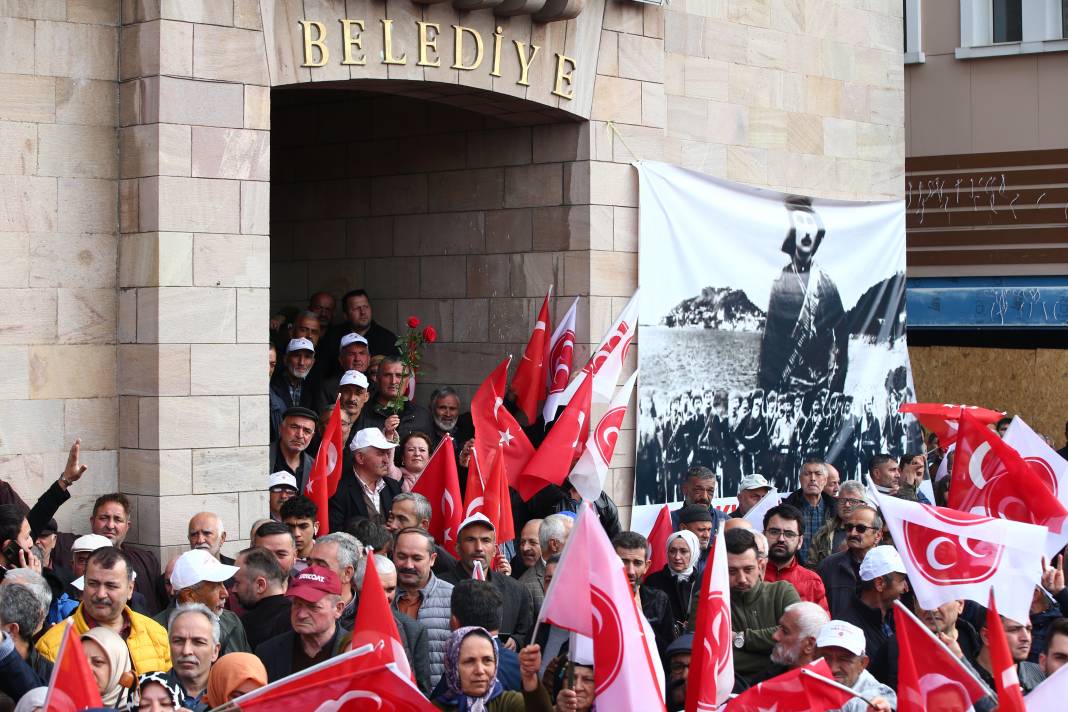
[{"x": 739, "y": 640}]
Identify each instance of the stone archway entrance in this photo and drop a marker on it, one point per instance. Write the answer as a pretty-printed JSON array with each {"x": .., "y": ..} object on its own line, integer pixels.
[{"x": 452, "y": 204}]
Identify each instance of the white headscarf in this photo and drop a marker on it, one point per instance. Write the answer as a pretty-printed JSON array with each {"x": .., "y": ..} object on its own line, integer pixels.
[
  {"x": 695, "y": 552},
  {"x": 32, "y": 700}
]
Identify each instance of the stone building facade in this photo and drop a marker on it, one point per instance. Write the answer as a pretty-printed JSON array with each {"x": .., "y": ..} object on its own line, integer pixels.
[{"x": 169, "y": 171}]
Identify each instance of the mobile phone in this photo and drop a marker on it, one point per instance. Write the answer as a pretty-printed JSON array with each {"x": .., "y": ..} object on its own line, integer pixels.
[{"x": 11, "y": 552}]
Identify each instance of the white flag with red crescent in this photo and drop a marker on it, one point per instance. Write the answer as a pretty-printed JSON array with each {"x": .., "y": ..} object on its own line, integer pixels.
[
  {"x": 1050, "y": 467},
  {"x": 561, "y": 352},
  {"x": 589, "y": 472},
  {"x": 951, "y": 555}
]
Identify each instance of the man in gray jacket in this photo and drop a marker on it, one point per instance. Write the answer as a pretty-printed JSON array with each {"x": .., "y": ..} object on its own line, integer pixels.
[{"x": 422, "y": 595}]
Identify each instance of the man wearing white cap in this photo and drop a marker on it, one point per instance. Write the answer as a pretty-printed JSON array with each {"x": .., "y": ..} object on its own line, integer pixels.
[
  {"x": 751, "y": 490},
  {"x": 199, "y": 577},
  {"x": 842, "y": 646},
  {"x": 353, "y": 356},
  {"x": 290, "y": 383},
  {"x": 366, "y": 491},
  {"x": 281, "y": 486},
  {"x": 883, "y": 580}
]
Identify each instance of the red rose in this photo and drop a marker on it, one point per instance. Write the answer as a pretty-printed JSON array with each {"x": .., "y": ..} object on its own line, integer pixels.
[
  {"x": 430, "y": 335},
  {"x": 413, "y": 322}
]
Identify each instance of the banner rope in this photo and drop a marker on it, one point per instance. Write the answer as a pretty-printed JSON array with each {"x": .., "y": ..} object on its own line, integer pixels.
[{"x": 613, "y": 130}]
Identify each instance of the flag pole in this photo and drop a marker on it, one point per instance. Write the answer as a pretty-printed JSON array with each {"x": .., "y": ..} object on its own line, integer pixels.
[
  {"x": 837, "y": 685},
  {"x": 934, "y": 638}
]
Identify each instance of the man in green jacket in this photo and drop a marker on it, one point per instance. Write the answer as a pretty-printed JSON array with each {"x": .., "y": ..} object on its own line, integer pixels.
[{"x": 756, "y": 605}]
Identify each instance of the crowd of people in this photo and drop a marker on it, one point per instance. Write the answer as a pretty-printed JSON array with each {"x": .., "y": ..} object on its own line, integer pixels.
[{"x": 816, "y": 578}]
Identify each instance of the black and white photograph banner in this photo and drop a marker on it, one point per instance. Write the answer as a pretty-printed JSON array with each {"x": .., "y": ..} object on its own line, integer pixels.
[{"x": 772, "y": 328}]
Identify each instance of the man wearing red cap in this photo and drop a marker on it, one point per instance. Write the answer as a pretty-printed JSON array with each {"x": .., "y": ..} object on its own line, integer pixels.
[{"x": 316, "y": 634}]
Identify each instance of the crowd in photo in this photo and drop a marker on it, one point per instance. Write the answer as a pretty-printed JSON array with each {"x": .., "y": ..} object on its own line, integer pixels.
[{"x": 815, "y": 577}]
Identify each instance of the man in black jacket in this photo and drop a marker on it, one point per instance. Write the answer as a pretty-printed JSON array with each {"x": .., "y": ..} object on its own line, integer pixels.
[
  {"x": 816, "y": 506},
  {"x": 633, "y": 550},
  {"x": 378, "y": 412},
  {"x": 356, "y": 306},
  {"x": 260, "y": 588},
  {"x": 316, "y": 635},
  {"x": 477, "y": 541},
  {"x": 840, "y": 572},
  {"x": 288, "y": 454},
  {"x": 366, "y": 491}
]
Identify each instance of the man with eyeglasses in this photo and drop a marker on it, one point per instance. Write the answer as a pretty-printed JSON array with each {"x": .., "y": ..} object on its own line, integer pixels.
[
  {"x": 815, "y": 506},
  {"x": 830, "y": 538},
  {"x": 840, "y": 572},
  {"x": 782, "y": 527},
  {"x": 699, "y": 488},
  {"x": 281, "y": 486}
]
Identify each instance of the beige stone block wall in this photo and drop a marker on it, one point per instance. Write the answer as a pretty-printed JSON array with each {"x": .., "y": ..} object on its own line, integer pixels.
[{"x": 59, "y": 169}]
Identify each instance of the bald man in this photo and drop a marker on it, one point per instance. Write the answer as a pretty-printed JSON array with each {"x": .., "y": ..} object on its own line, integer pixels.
[{"x": 207, "y": 532}]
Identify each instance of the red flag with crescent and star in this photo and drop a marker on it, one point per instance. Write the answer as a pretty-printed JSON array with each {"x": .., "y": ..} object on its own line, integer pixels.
[
  {"x": 943, "y": 419},
  {"x": 326, "y": 471},
  {"x": 712, "y": 659},
  {"x": 554, "y": 456},
  {"x": 374, "y": 624},
  {"x": 72, "y": 686},
  {"x": 495, "y": 426},
  {"x": 950, "y": 554},
  {"x": 657, "y": 539},
  {"x": 529, "y": 382},
  {"x": 990, "y": 477},
  {"x": 1002, "y": 666},
  {"x": 440, "y": 484}
]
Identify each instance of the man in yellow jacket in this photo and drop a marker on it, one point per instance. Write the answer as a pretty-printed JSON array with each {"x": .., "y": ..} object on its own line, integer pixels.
[{"x": 108, "y": 585}]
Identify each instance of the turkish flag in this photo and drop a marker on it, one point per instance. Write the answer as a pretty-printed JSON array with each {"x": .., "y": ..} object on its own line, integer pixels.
[
  {"x": 590, "y": 471},
  {"x": 942, "y": 418},
  {"x": 554, "y": 457},
  {"x": 558, "y": 373},
  {"x": 590, "y": 595},
  {"x": 607, "y": 361},
  {"x": 529, "y": 382},
  {"x": 799, "y": 690},
  {"x": 950, "y": 554},
  {"x": 712, "y": 663},
  {"x": 374, "y": 624},
  {"x": 944, "y": 677},
  {"x": 1002, "y": 666},
  {"x": 326, "y": 471},
  {"x": 657, "y": 539},
  {"x": 1051, "y": 693},
  {"x": 353, "y": 680},
  {"x": 989, "y": 477},
  {"x": 440, "y": 484},
  {"x": 72, "y": 686},
  {"x": 498, "y": 499},
  {"x": 494, "y": 425},
  {"x": 1051, "y": 469}
]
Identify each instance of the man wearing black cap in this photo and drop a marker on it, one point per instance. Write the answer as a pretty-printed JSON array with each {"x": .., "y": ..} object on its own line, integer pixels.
[
  {"x": 696, "y": 519},
  {"x": 678, "y": 671},
  {"x": 295, "y": 434}
]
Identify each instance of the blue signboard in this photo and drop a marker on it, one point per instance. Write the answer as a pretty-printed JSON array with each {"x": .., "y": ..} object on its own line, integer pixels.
[{"x": 987, "y": 302}]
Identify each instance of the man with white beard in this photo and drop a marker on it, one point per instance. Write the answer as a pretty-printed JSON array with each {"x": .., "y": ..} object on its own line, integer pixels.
[
  {"x": 795, "y": 640},
  {"x": 290, "y": 384},
  {"x": 445, "y": 411}
]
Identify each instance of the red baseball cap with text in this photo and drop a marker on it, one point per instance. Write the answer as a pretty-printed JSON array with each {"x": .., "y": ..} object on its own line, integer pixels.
[{"x": 313, "y": 583}]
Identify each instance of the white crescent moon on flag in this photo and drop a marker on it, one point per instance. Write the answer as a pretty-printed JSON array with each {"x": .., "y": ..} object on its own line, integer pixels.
[
  {"x": 475, "y": 503},
  {"x": 975, "y": 465},
  {"x": 970, "y": 550},
  {"x": 932, "y": 559}
]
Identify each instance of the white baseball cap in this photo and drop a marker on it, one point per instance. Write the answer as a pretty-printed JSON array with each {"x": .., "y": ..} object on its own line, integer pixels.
[
  {"x": 839, "y": 634},
  {"x": 90, "y": 542},
  {"x": 197, "y": 565},
  {"x": 300, "y": 345},
  {"x": 880, "y": 561},
  {"x": 350, "y": 339},
  {"x": 353, "y": 378},
  {"x": 371, "y": 437},
  {"x": 281, "y": 478},
  {"x": 754, "y": 481},
  {"x": 476, "y": 518}
]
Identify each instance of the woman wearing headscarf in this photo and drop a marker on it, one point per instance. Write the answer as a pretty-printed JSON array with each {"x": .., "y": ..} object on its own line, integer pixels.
[
  {"x": 678, "y": 578},
  {"x": 233, "y": 675},
  {"x": 33, "y": 700},
  {"x": 109, "y": 660},
  {"x": 471, "y": 683},
  {"x": 156, "y": 693}
]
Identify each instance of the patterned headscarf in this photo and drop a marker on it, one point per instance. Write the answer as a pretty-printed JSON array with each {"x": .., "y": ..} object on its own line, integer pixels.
[
  {"x": 160, "y": 677},
  {"x": 454, "y": 694}
]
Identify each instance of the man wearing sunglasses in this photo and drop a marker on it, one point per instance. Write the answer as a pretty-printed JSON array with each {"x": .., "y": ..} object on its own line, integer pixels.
[{"x": 840, "y": 572}]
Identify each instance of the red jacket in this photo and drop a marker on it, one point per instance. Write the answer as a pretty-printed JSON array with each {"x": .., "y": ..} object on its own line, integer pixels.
[{"x": 807, "y": 582}]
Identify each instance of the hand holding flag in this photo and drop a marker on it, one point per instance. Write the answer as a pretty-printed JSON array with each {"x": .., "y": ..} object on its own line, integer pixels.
[{"x": 326, "y": 471}]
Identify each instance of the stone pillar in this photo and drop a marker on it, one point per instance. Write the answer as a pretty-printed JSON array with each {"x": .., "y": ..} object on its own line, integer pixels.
[{"x": 193, "y": 266}]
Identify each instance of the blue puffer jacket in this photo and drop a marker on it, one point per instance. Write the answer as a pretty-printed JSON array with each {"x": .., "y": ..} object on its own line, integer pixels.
[{"x": 435, "y": 612}]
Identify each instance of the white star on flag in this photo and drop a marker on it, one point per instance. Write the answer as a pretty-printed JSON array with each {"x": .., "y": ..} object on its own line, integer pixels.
[{"x": 506, "y": 437}]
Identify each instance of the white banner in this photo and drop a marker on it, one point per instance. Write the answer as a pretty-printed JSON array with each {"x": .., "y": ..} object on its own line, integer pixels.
[{"x": 772, "y": 329}]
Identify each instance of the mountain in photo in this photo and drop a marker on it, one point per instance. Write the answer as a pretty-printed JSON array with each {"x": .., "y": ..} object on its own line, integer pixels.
[
  {"x": 868, "y": 317},
  {"x": 719, "y": 308}
]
